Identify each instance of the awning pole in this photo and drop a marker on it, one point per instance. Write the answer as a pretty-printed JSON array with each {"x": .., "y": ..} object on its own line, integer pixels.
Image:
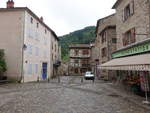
[{"x": 146, "y": 90}]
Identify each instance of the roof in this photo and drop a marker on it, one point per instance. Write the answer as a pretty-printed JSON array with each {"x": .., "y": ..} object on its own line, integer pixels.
[
  {"x": 80, "y": 46},
  {"x": 98, "y": 21},
  {"x": 33, "y": 14},
  {"x": 116, "y": 4}
]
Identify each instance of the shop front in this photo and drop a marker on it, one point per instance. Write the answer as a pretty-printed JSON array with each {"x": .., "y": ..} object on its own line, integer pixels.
[{"x": 132, "y": 65}]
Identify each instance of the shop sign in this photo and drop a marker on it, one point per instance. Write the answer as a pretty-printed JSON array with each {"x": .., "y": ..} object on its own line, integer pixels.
[{"x": 134, "y": 50}]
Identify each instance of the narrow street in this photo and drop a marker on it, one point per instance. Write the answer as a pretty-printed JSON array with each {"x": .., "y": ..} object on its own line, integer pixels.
[{"x": 69, "y": 96}]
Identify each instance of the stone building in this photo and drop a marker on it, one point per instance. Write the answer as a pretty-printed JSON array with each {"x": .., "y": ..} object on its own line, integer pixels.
[
  {"x": 80, "y": 58},
  {"x": 131, "y": 59},
  {"x": 133, "y": 21},
  {"x": 106, "y": 41},
  {"x": 27, "y": 43},
  {"x": 55, "y": 56}
]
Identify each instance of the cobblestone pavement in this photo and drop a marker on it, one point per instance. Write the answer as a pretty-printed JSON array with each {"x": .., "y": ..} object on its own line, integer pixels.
[{"x": 69, "y": 96}]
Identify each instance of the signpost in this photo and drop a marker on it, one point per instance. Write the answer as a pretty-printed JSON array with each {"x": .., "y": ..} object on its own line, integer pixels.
[{"x": 144, "y": 85}]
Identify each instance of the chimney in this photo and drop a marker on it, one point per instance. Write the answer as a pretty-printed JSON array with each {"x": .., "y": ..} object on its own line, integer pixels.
[
  {"x": 41, "y": 18},
  {"x": 10, "y": 4}
]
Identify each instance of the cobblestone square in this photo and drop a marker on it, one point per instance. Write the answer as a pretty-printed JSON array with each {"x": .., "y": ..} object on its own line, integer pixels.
[{"x": 69, "y": 96}]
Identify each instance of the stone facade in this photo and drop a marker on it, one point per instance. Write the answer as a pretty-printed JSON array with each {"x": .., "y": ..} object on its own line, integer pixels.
[
  {"x": 55, "y": 56},
  {"x": 139, "y": 18},
  {"x": 26, "y": 41},
  {"x": 80, "y": 59},
  {"x": 106, "y": 41}
]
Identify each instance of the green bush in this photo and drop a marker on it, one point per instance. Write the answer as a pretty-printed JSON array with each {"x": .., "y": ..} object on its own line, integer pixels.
[
  {"x": 3, "y": 66},
  {"x": 1, "y": 54}
]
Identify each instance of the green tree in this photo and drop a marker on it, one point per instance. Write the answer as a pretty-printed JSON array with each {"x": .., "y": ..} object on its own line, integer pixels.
[
  {"x": 83, "y": 36},
  {"x": 3, "y": 66}
]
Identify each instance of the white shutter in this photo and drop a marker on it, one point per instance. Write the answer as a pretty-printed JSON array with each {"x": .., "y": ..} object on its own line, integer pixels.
[
  {"x": 132, "y": 8},
  {"x": 123, "y": 19}
]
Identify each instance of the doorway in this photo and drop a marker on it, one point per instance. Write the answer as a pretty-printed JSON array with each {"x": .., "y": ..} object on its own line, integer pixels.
[{"x": 44, "y": 71}]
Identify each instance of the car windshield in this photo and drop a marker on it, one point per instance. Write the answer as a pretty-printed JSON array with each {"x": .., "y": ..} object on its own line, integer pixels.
[{"x": 88, "y": 73}]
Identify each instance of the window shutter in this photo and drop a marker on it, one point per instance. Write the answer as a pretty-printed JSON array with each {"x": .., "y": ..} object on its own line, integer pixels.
[
  {"x": 133, "y": 37},
  {"x": 123, "y": 39},
  {"x": 132, "y": 8},
  {"x": 123, "y": 16}
]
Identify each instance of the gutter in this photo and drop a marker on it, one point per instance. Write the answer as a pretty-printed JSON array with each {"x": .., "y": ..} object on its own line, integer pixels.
[{"x": 22, "y": 56}]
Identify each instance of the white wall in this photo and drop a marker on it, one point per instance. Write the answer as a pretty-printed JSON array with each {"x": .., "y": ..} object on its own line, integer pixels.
[
  {"x": 38, "y": 49},
  {"x": 11, "y": 36}
]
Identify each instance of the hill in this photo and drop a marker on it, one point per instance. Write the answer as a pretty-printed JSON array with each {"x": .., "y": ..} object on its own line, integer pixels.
[{"x": 83, "y": 36}]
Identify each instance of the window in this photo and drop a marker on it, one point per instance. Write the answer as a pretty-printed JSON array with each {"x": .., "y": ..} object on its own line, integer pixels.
[
  {"x": 52, "y": 45},
  {"x": 114, "y": 40},
  {"x": 36, "y": 51},
  {"x": 76, "y": 70},
  {"x": 128, "y": 11},
  {"x": 36, "y": 68},
  {"x": 45, "y": 53},
  {"x": 76, "y": 52},
  {"x": 85, "y": 63},
  {"x": 55, "y": 48},
  {"x": 30, "y": 49},
  {"x": 129, "y": 37},
  {"x": 36, "y": 36},
  {"x": 76, "y": 61},
  {"x": 104, "y": 52},
  {"x": 31, "y": 33},
  {"x": 31, "y": 20},
  {"x": 85, "y": 52},
  {"x": 45, "y": 31},
  {"x": 37, "y": 25},
  {"x": 45, "y": 41},
  {"x": 103, "y": 35},
  {"x": 30, "y": 69}
]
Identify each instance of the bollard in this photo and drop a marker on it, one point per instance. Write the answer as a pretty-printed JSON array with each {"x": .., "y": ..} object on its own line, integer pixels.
[
  {"x": 58, "y": 79},
  {"x": 38, "y": 79},
  {"x": 48, "y": 79},
  {"x": 81, "y": 79}
]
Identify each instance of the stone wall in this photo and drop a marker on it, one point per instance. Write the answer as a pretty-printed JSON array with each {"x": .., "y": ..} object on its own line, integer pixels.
[
  {"x": 140, "y": 20},
  {"x": 107, "y": 25}
]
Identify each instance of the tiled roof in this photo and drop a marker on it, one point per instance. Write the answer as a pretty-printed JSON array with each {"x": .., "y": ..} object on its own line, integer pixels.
[{"x": 116, "y": 4}]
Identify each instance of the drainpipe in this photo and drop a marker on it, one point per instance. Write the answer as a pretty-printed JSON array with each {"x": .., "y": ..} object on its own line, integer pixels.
[
  {"x": 108, "y": 50},
  {"x": 149, "y": 17},
  {"x": 22, "y": 56}
]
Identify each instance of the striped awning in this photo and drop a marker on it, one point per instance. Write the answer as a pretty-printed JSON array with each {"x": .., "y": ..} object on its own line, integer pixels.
[{"x": 136, "y": 63}]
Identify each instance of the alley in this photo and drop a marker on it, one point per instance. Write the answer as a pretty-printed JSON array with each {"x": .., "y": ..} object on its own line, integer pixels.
[{"x": 69, "y": 96}]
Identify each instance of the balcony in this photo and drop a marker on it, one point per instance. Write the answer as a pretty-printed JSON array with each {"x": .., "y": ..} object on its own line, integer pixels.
[
  {"x": 80, "y": 56},
  {"x": 86, "y": 65}
]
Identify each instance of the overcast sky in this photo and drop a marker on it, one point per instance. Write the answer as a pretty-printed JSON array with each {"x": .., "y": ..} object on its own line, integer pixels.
[{"x": 65, "y": 16}]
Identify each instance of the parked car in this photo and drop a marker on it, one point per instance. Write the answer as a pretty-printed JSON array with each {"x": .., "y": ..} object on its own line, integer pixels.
[{"x": 89, "y": 76}]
